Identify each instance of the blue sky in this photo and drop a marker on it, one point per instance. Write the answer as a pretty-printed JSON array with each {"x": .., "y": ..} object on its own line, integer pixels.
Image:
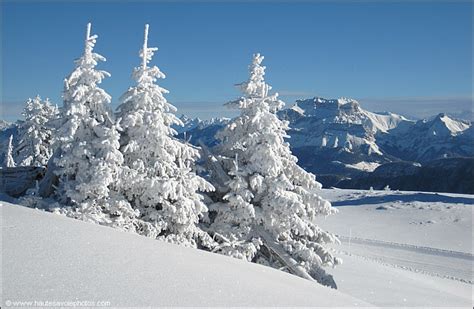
[{"x": 413, "y": 58}]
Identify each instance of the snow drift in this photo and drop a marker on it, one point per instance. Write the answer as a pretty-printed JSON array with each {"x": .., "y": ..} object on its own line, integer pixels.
[{"x": 47, "y": 257}]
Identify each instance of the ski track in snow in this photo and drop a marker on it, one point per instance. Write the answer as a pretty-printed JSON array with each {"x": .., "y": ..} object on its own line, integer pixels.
[
  {"x": 408, "y": 247},
  {"x": 453, "y": 265}
]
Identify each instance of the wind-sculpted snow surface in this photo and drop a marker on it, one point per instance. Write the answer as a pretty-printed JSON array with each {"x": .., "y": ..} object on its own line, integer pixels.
[{"x": 53, "y": 258}]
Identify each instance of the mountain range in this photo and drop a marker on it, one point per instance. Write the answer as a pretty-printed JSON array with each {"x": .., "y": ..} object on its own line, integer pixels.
[
  {"x": 348, "y": 146},
  {"x": 338, "y": 140}
]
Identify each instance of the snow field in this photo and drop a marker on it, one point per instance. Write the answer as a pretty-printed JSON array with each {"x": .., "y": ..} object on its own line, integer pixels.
[{"x": 47, "y": 257}]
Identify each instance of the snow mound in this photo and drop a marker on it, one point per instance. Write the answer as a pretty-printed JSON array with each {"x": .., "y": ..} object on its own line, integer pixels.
[{"x": 47, "y": 257}]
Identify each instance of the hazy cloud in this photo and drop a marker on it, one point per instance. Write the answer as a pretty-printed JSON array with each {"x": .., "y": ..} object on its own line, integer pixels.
[
  {"x": 299, "y": 94},
  {"x": 204, "y": 109},
  {"x": 11, "y": 110},
  {"x": 411, "y": 107},
  {"x": 422, "y": 107}
]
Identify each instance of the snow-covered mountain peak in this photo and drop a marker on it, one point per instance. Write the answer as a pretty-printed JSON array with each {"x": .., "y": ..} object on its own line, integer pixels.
[
  {"x": 188, "y": 123},
  {"x": 196, "y": 124},
  {"x": 344, "y": 100},
  {"x": 216, "y": 120},
  {"x": 454, "y": 126},
  {"x": 344, "y": 110},
  {"x": 333, "y": 110},
  {"x": 297, "y": 109},
  {"x": 317, "y": 105},
  {"x": 442, "y": 125},
  {"x": 4, "y": 124},
  {"x": 385, "y": 121},
  {"x": 439, "y": 137}
]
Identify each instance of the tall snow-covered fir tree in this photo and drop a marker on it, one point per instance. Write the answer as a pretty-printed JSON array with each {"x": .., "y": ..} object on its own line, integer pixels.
[
  {"x": 8, "y": 160},
  {"x": 271, "y": 203},
  {"x": 159, "y": 179},
  {"x": 90, "y": 161},
  {"x": 35, "y": 145}
]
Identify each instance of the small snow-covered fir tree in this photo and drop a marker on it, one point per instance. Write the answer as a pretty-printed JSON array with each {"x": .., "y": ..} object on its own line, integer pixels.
[
  {"x": 159, "y": 179},
  {"x": 34, "y": 147},
  {"x": 8, "y": 160},
  {"x": 90, "y": 160},
  {"x": 268, "y": 192}
]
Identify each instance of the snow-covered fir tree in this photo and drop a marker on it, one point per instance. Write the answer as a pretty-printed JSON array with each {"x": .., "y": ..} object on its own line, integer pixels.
[
  {"x": 8, "y": 160},
  {"x": 269, "y": 194},
  {"x": 34, "y": 147},
  {"x": 90, "y": 161},
  {"x": 235, "y": 217},
  {"x": 159, "y": 180}
]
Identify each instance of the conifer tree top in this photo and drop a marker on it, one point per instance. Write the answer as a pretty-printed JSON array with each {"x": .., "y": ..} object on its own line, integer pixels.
[
  {"x": 89, "y": 59},
  {"x": 255, "y": 91},
  {"x": 143, "y": 74},
  {"x": 81, "y": 94},
  {"x": 256, "y": 86},
  {"x": 147, "y": 52},
  {"x": 90, "y": 41}
]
